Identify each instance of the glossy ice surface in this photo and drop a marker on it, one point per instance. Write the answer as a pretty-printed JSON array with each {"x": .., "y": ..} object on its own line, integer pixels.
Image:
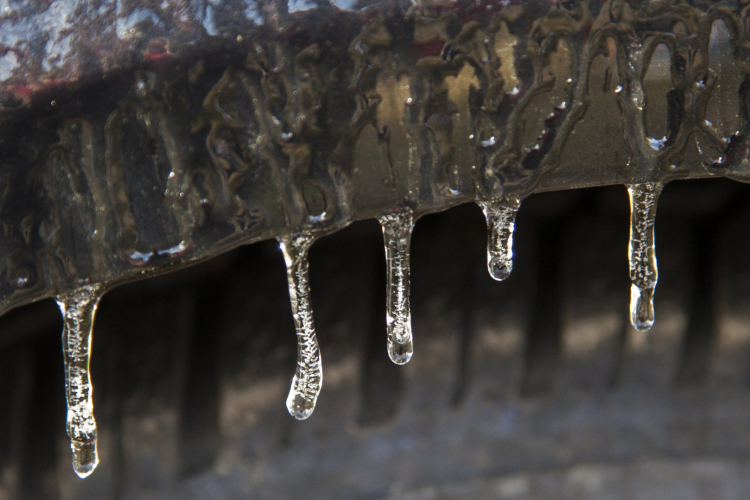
[{"x": 161, "y": 136}]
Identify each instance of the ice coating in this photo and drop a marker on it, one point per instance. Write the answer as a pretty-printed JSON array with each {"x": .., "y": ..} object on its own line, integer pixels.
[
  {"x": 501, "y": 221},
  {"x": 642, "y": 251},
  {"x": 78, "y": 309},
  {"x": 513, "y": 98},
  {"x": 397, "y": 227},
  {"x": 308, "y": 377}
]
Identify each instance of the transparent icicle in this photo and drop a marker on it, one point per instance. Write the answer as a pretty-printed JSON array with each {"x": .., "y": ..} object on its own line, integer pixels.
[
  {"x": 308, "y": 378},
  {"x": 642, "y": 251},
  {"x": 78, "y": 309},
  {"x": 501, "y": 221},
  {"x": 397, "y": 228}
]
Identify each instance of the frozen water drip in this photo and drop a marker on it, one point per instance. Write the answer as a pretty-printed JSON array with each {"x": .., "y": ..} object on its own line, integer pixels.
[
  {"x": 308, "y": 377},
  {"x": 642, "y": 252},
  {"x": 501, "y": 222},
  {"x": 397, "y": 227},
  {"x": 78, "y": 309}
]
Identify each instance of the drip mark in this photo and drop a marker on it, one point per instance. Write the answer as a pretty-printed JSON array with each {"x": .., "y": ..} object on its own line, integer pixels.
[
  {"x": 642, "y": 252},
  {"x": 501, "y": 221},
  {"x": 78, "y": 309},
  {"x": 308, "y": 378},
  {"x": 397, "y": 228}
]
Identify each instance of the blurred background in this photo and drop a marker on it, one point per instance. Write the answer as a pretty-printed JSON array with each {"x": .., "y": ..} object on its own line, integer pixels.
[{"x": 532, "y": 388}]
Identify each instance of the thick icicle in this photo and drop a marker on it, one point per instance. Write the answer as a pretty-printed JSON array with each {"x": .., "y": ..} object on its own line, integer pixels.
[
  {"x": 308, "y": 378},
  {"x": 642, "y": 250},
  {"x": 78, "y": 309},
  {"x": 501, "y": 221},
  {"x": 397, "y": 228}
]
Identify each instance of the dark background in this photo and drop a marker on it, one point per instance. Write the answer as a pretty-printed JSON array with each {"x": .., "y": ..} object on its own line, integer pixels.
[{"x": 536, "y": 387}]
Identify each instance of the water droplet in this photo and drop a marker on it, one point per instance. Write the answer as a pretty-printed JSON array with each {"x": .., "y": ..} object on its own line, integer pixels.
[
  {"x": 501, "y": 221},
  {"x": 23, "y": 279},
  {"x": 489, "y": 142},
  {"x": 642, "y": 251},
  {"x": 308, "y": 377},
  {"x": 657, "y": 144},
  {"x": 397, "y": 228},
  {"x": 78, "y": 309},
  {"x": 641, "y": 308}
]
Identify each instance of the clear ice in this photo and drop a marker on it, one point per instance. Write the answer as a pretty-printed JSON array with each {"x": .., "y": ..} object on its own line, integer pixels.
[
  {"x": 397, "y": 228},
  {"x": 308, "y": 378},
  {"x": 78, "y": 309},
  {"x": 642, "y": 252},
  {"x": 501, "y": 221}
]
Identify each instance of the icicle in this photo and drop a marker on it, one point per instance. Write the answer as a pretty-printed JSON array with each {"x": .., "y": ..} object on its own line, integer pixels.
[
  {"x": 642, "y": 250},
  {"x": 308, "y": 378},
  {"x": 397, "y": 227},
  {"x": 501, "y": 221},
  {"x": 78, "y": 309}
]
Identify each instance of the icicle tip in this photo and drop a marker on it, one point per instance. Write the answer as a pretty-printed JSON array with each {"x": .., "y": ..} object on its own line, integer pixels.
[
  {"x": 400, "y": 353},
  {"x": 642, "y": 308},
  {"x": 85, "y": 457},
  {"x": 499, "y": 270},
  {"x": 299, "y": 407}
]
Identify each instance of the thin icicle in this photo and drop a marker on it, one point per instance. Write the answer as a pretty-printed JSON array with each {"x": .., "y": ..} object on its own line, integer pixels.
[
  {"x": 308, "y": 378},
  {"x": 397, "y": 228},
  {"x": 642, "y": 250},
  {"x": 78, "y": 309},
  {"x": 501, "y": 221}
]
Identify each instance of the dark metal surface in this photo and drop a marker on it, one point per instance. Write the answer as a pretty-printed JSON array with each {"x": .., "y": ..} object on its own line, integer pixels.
[{"x": 137, "y": 137}]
